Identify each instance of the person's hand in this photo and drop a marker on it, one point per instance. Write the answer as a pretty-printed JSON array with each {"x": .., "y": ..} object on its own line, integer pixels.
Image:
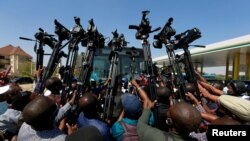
[
  {"x": 197, "y": 73},
  {"x": 2, "y": 74},
  {"x": 192, "y": 97},
  {"x": 71, "y": 128},
  {"x": 72, "y": 100},
  {"x": 203, "y": 91},
  {"x": 149, "y": 105},
  {"x": 133, "y": 82},
  {"x": 39, "y": 72}
]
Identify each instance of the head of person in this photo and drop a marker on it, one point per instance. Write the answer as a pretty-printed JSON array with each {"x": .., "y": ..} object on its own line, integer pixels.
[
  {"x": 190, "y": 88},
  {"x": 163, "y": 94},
  {"x": 218, "y": 85},
  {"x": 131, "y": 105},
  {"x": 183, "y": 118},
  {"x": 124, "y": 82},
  {"x": 74, "y": 84},
  {"x": 4, "y": 81},
  {"x": 40, "y": 113},
  {"x": 20, "y": 100},
  {"x": 92, "y": 83},
  {"x": 88, "y": 103},
  {"x": 236, "y": 88},
  {"x": 14, "y": 89},
  {"x": 54, "y": 85},
  {"x": 87, "y": 133}
]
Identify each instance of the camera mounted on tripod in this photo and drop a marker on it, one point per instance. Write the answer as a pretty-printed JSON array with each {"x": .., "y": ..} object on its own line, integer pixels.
[
  {"x": 117, "y": 42},
  {"x": 166, "y": 72},
  {"x": 185, "y": 38},
  {"x": 77, "y": 29},
  {"x": 62, "y": 32},
  {"x": 133, "y": 52},
  {"x": 45, "y": 38},
  {"x": 164, "y": 36},
  {"x": 144, "y": 27},
  {"x": 94, "y": 39}
]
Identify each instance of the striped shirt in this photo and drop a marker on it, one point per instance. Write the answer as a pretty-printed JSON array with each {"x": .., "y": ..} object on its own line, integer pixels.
[{"x": 26, "y": 133}]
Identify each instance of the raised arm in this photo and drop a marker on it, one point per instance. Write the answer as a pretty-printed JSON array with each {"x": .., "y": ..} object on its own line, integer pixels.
[
  {"x": 143, "y": 95},
  {"x": 211, "y": 88},
  {"x": 206, "y": 94},
  {"x": 200, "y": 78}
]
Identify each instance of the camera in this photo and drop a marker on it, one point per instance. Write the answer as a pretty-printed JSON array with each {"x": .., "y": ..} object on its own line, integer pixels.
[
  {"x": 93, "y": 37},
  {"x": 117, "y": 42},
  {"x": 45, "y": 38},
  {"x": 62, "y": 32},
  {"x": 187, "y": 37},
  {"x": 144, "y": 27},
  {"x": 77, "y": 29},
  {"x": 165, "y": 34}
]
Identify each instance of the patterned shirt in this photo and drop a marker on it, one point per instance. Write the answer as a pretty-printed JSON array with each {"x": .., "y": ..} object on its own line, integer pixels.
[
  {"x": 199, "y": 136},
  {"x": 26, "y": 133},
  {"x": 9, "y": 120}
]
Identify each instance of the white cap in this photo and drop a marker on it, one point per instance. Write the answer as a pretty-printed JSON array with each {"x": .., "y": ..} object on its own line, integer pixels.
[
  {"x": 4, "y": 89},
  {"x": 47, "y": 93}
]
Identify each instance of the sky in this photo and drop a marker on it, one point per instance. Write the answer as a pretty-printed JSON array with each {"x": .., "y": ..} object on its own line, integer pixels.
[{"x": 217, "y": 20}]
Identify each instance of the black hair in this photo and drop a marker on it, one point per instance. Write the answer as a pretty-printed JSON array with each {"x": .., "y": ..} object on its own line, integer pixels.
[
  {"x": 238, "y": 87},
  {"x": 20, "y": 101}
]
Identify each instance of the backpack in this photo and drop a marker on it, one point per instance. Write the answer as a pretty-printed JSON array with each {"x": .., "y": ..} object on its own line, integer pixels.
[{"x": 130, "y": 133}]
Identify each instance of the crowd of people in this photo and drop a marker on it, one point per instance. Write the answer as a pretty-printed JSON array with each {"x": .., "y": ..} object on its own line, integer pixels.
[{"x": 33, "y": 116}]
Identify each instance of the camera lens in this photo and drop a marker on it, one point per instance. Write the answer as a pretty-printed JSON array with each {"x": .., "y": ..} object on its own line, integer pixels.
[{"x": 157, "y": 44}]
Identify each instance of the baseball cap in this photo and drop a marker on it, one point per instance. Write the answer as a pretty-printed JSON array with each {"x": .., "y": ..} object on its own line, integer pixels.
[
  {"x": 238, "y": 86},
  {"x": 236, "y": 105},
  {"x": 131, "y": 104},
  {"x": 4, "y": 89}
]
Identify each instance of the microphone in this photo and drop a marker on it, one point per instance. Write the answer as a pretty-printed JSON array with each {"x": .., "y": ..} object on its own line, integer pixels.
[
  {"x": 202, "y": 46},
  {"x": 23, "y": 38}
]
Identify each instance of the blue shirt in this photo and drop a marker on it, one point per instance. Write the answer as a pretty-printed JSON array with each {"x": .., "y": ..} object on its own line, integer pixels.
[
  {"x": 117, "y": 129},
  {"x": 100, "y": 125}
]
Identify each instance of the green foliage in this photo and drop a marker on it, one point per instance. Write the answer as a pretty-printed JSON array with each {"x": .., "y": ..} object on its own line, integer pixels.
[{"x": 25, "y": 68}]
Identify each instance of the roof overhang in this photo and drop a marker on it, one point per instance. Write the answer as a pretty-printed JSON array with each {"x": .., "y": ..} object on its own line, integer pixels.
[{"x": 215, "y": 54}]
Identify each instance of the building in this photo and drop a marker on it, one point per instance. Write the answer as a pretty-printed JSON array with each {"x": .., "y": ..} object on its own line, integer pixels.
[
  {"x": 17, "y": 58},
  {"x": 232, "y": 54}
]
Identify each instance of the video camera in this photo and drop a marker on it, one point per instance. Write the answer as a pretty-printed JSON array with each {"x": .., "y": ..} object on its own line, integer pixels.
[
  {"x": 45, "y": 38},
  {"x": 62, "y": 32},
  {"x": 117, "y": 42},
  {"x": 133, "y": 52},
  {"x": 77, "y": 29},
  {"x": 94, "y": 38},
  {"x": 144, "y": 27},
  {"x": 165, "y": 34},
  {"x": 187, "y": 37}
]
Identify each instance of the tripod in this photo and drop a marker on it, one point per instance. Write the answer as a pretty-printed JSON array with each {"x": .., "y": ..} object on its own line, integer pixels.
[
  {"x": 93, "y": 40},
  {"x": 116, "y": 46},
  {"x": 78, "y": 34},
  {"x": 143, "y": 31}
]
